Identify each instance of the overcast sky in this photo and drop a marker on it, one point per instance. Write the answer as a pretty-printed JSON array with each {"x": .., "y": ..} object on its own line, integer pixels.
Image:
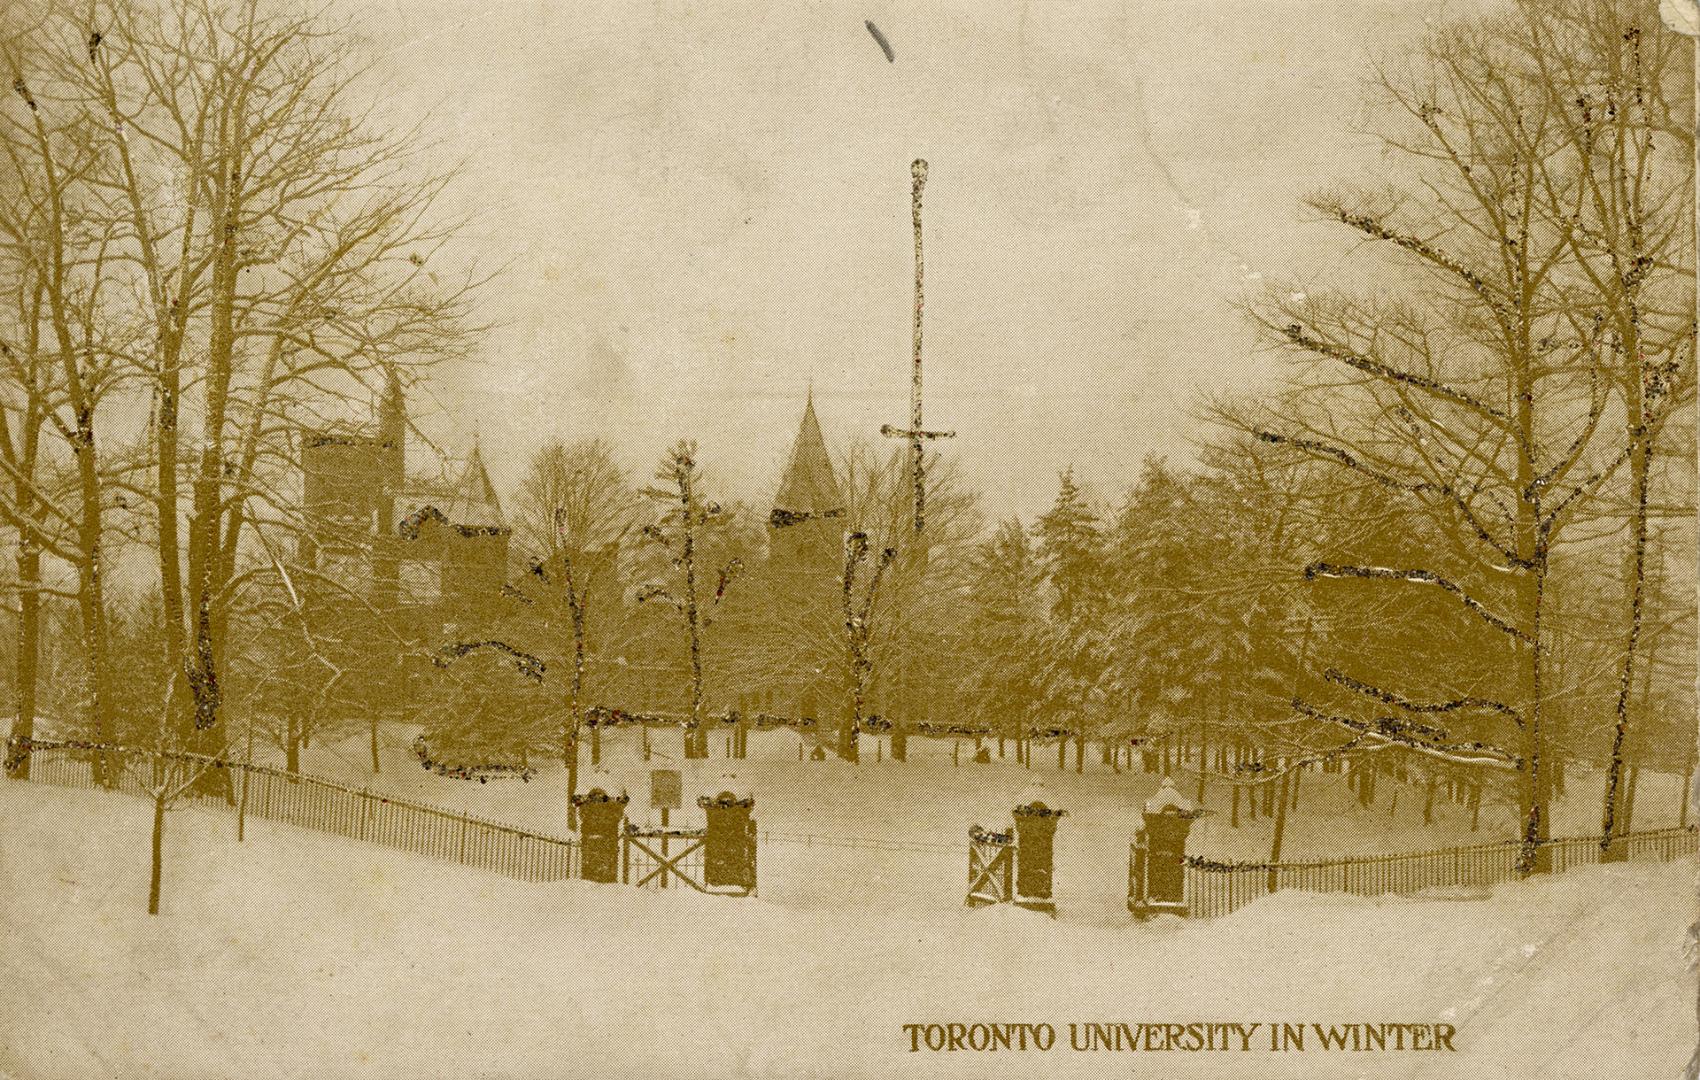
[{"x": 704, "y": 207}]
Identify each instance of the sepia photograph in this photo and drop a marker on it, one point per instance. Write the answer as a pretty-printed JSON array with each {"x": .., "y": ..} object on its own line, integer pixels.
[{"x": 739, "y": 539}]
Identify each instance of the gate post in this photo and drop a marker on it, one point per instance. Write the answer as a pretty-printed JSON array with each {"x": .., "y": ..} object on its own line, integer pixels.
[
  {"x": 601, "y": 821},
  {"x": 1157, "y": 871},
  {"x": 729, "y": 841},
  {"x": 1035, "y": 832}
]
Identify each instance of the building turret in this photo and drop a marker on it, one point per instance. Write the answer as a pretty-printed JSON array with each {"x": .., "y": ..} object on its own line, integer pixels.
[
  {"x": 392, "y": 434},
  {"x": 392, "y": 464},
  {"x": 475, "y": 543},
  {"x": 806, "y": 530}
]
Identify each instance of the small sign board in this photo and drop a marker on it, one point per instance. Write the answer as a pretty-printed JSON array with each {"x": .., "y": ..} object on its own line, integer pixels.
[{"x": 666, "y": 789}]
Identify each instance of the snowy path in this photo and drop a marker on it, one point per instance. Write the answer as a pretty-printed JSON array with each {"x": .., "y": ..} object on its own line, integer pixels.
[{"x": 302, "y": 955}]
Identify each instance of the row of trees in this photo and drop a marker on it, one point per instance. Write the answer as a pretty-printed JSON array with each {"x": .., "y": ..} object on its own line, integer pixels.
[
  {"x": 1462, "y": 530},
  {"x": 1471, "y": 497},
  {"x": 1455, "y": 534},
  {"x": 205, "y": 246}
]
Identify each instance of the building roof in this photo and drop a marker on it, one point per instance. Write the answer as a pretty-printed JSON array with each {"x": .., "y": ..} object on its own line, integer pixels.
[
  {"x": 472, "y": 499},
  {"x": 809, "y": 484}
]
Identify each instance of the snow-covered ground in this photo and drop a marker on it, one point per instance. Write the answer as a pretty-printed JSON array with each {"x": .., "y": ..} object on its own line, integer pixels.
[
  {"x": 927, "y": 801},
  {"x": 303, "y": 955}
]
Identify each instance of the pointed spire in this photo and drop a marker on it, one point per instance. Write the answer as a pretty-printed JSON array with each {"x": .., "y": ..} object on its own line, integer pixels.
[
  {"x": 392, "y": 430},
  {"x": 392, "y": 410},
  {"x": 475, "y": 501},
  {"x": 810, "y": 485}
]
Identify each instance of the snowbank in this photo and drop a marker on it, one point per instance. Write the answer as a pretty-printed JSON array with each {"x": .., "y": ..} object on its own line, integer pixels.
[{"x": 298, "y": 954}]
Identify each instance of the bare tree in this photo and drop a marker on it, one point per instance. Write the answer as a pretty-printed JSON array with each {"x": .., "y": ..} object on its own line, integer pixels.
[
  {"x": 575, "y": 508},
  {"x": 287, "y": 261},
  {"x": 574, "y": 497},
  {"x": 1618, "y": 82},
  {"x": 65, "y": 267},
  {"x": 858, "y": 611},
  {"x": 682, "y": 525},
  {"x": 1478, "y": 394}
]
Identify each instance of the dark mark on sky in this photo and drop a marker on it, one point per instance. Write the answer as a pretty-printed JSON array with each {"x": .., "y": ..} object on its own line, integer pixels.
[{"x": 885, "y": 46}]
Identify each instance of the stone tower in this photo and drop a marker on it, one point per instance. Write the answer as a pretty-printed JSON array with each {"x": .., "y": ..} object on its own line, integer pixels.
[
  {"x": 805, "y": 556},
  {"x": 474, "y": 545}
]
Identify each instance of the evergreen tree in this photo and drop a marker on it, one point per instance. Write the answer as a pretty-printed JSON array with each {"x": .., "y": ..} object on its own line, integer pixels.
[
  {"x": 1170, "y": 630},
  {"x": 1005, "y": 617},
  {"x": 1073, "y": 645}
]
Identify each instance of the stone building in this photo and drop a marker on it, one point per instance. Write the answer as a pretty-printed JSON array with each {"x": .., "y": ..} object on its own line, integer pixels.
[
  {"x": 431, "y": 548},
  {"x": 790, "y": 664}
]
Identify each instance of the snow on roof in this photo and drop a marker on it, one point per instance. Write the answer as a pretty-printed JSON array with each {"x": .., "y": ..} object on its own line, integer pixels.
[
  {"x": 604, "y": 781},
  {"x": 1168, "y": 798},
  {"x": 468, "y": 500},
  {"x": 1035, "y": 793},
  {"x": 729, "y": 784}
]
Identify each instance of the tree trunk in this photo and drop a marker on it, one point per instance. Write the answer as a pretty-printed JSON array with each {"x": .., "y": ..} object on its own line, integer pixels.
[
  {"x": 1428, "y": 803},
  {"x": 96, "y": 651},
  {"x": 1234, "y": 807},
  {"x": 158, "y": 851},
  {"x": 693, "y": 623},
  {"x": 575, "y": 691},
  {"x": 1628, "y": 824},
  {"x": 377, "y": 766},
  {"x": 1280, "y": 830},
  {"x": 1203, "y": 759},
  {"x": 28, "y": 660},
  {"x": 28, "y": 559},
  {"x": 1682, "y": 796},
  {"x": 1640, "y": 439},
  {"x": 572, "y": 775},
  {"x": 1080, "y": 754},
  {"x": 849, "y": 745}
]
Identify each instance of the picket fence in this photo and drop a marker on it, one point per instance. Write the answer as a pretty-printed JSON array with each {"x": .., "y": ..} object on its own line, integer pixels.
[
  {"x": 311, "y": 802},
  {"x": 1214, "y": 889}
]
